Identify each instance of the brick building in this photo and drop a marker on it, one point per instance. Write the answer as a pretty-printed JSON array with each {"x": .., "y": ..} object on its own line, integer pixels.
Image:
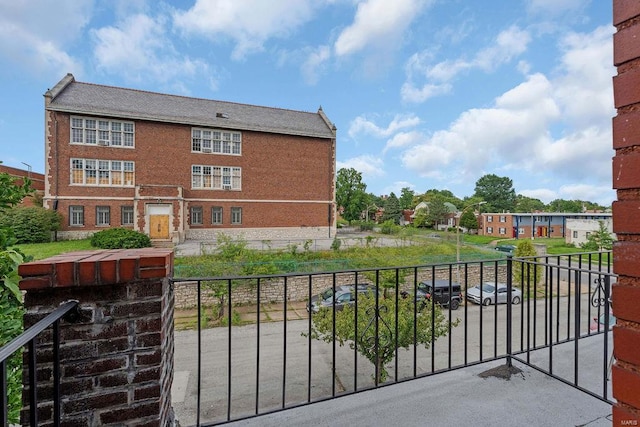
[
  {"x": 37, "y": 182},
  {"x": 626, "y": 182},
  {"x": 532, "y": 224},
  {"x": 180, "y": 168}
]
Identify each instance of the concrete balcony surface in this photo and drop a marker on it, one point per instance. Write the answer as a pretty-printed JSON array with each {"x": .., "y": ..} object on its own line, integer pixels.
[{"x": 462, "y": 397}]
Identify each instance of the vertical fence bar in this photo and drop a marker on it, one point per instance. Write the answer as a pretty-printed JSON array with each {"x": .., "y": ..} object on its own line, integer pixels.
[
  {"x": 333, "y": 332},
  {"x": 355, "y": 334},
  {"x": 396, "y": 324},
  {"x": 415, "y": 321},
  {"x": 576, "y": 327},
  {"x": 550, "y": 325},
  {"x": 258, "y": 346},
  {"x": 56, "y": 373},
  {"x": 199, "y": 386},
  {"x": 449, "y": 326},
  {"x": 466, "y": 317},
  {"x": 607, "y": 284},
  {"x": 433, "y": 321},
  {"x": 577, "y": 296},
  {"x": 495, "y": 310},
  {"x": 229, "y": 355},
  {"x": 377, "y": 327},
  {"x": 4, "y": 394},
  {"x": 558, "y": 291},
  {"x": 481, "y": 306},
  {"x": 33, "y": 390},
  {"x": 509, "y": 307},
  {"x": 284, "y": 349},
  {"x": 309, "y": 326}
]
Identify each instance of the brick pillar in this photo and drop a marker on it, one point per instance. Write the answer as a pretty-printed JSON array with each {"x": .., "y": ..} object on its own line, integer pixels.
[
  {"x": 117, "y": 361},
  {"x": 626, "y": 180}
]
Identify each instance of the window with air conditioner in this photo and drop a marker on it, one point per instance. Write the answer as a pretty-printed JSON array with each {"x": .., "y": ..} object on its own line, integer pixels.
[
  {"x": 216, "y": 177},
  {"x": 216, "y": 141},
  {"x": 103, "y": 132},
  {"x": 102, "y": 173}
]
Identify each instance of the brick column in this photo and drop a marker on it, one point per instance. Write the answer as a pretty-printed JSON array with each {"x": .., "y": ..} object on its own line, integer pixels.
[
  {"x": 626, "y": 180},
  {"x": 117, "y": 361}
]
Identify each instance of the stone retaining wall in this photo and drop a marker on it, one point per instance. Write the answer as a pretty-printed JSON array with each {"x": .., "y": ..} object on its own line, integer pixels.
[{"x": 272, "y": 290}]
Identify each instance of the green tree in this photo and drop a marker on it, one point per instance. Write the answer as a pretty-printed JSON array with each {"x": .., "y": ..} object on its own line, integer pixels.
[
  {"x": 420, "y": 218},
  {"x": 406, "y": 198},
  {"x": 351, "y": 193},
  {"x": 392, "y": 210},
  {"x": 469, "y": 220},
  {"x": 31, "y": 224},
  {"x": 380, "y": 349},
  {"x": 570, "y": 206},
  {"x": 11, "y": 193},
  {"x": 529, "y": 204},
  {"x": 437, "y": 211},
  {"x": 525, "y": 273},
  {"x": 497, "y": 191},
  {"x": 600, "y": 240},
  {"x": 446, "y": 195}
]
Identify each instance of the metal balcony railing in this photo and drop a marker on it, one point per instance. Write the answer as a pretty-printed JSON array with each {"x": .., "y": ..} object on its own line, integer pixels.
[{"x": 555, "y": 318}]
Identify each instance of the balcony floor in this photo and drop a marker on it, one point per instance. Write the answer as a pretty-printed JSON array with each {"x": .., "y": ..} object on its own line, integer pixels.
[{"x": 460, "y": 397}]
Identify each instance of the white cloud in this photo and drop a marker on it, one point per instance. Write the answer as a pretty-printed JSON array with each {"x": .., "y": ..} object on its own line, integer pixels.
[
  {"x": 396, "y": 188},
  {"x": 377, "y": 22},
  {"x": 315, "y": 64},
  {"x": 249, "y": 23},
  {"x": 515, "y": 134},
  {"x": 35, "y": 34},
  {"x": 509, "y": 44},
  {"x": 368, "y": 165},
  {"x": 404, "y": 139},
  {"x": 554, "y": 7},
  {"x": 543, "y": 194},
  {"x": 360, "y": 125},
  {"x": 139, "y": 47}
]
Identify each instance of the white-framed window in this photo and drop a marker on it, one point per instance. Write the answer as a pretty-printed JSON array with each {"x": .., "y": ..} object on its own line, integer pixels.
[
  {"x": 196, "y": 215},
  {"x": 103, "y": 216},
  {"x": 520, "y": 231},
  {"x": 126, "y": 215},
  {"x": 104, "y": 132},
  {"x": 503, "y": 218},
  {"x": 76, "y": 216},
  {"x": 216, "y": 215},
  {"x": 502, "y": 230},
  {"x": 216, "y": 177},
  {"x": 105, "y": 173},
  {"x": 216, "y": 141},
  {"x": 489, "y": 230},
  {"x": 489, "y": 218},
  {"x": 236, "y": 216}
]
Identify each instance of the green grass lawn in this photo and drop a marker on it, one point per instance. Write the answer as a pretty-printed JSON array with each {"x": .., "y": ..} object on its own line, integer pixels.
[{"x": 45, "y": 250}]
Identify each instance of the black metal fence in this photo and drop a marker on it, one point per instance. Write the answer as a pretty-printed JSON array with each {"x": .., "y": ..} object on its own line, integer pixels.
[
  {"x": 29, "y": 338},
  {"x": 553, "y": 314}
]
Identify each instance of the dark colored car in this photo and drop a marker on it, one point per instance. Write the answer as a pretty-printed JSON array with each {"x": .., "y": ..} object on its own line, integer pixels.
[
  {"x": 442, "y": 291},
  {"x": 509, "y": 249},
  {"x": 344, "y": 295}
]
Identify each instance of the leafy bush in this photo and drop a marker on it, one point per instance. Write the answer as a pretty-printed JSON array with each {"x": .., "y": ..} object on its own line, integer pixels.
[
  {"x": 31, "y": 224},
  {"x": 389, "y": 227},
  {"x": 120, "y": 238}
]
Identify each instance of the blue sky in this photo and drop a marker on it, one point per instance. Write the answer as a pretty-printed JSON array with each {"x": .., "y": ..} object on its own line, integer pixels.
[{"x": 424, "y": 93}]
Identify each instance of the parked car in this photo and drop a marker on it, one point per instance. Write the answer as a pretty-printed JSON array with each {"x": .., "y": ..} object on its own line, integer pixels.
[
  {"x": 509, "y": 249},
  {"x": 344, "y": 295},
  {"x": 597, "y": 324},
  {"x": 487, "y": 294},
  {"x": 439, "y": 291}
]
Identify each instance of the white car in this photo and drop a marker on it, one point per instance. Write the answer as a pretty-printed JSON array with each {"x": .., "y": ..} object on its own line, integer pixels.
[{"x": 489, "y": 291}]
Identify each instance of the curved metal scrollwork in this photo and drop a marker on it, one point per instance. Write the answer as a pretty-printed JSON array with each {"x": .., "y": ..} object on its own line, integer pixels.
[
  {"x": 600, "y": 295},
  {"x": 384, "y": 335}
]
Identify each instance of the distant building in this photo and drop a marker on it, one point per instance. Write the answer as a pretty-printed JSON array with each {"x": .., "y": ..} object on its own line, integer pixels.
[
  {"x": 578, "y": 230},
  {"x": 178, "y": 168},
  {"x": 37, "y": 182},
  {"x": 532, "y": 225}
]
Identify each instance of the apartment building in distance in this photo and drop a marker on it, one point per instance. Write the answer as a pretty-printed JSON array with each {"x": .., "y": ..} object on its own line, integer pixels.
[
  {"x": 533, "y": 224},
  {"x": 179, "y": 168}
]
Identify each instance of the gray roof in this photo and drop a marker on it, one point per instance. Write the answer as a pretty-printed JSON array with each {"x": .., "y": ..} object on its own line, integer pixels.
[{"x": 84, "y": 98}]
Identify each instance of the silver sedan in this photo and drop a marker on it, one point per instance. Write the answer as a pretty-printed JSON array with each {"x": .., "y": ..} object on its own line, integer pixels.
[{"x": 487, "y": 294}]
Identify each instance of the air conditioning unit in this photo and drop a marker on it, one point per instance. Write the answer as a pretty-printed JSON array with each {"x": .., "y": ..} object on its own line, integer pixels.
[
  {"x": 206, "y": 150},
  {"x": 226, "y": 187},
  {"x": 103, "y": 143}
]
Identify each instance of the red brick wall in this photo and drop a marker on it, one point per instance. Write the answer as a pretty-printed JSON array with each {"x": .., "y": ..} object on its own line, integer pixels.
[
  {"x": 275, "y": 168},
  {"x": 117, "y": 361},
  {"x": 626, "y": 180},
  {"x": 37, "y": 181}
]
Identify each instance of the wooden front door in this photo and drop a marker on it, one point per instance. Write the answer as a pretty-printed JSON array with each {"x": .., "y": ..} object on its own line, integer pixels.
[{"x": 159, "y": 226}]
